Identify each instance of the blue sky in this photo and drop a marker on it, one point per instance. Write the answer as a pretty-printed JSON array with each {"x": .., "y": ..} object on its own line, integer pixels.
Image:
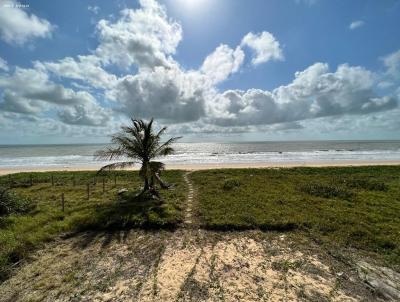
[{"x": 210, "y": 70}]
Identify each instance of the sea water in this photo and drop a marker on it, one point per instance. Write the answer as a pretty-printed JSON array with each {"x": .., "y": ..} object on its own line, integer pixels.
[{"x": 19, "y": 156}]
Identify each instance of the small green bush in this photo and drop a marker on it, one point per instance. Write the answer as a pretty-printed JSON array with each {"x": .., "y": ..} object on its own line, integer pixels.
[
  {"x": 11, "y": 203},
  {"x": 365, "y": 184},
  {"x": 326, "y": 191},
  {"x": 230, "y": 184}
]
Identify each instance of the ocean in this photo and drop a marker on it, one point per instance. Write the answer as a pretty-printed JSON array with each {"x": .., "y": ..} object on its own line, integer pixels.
[{"x": 38, "y": 156}]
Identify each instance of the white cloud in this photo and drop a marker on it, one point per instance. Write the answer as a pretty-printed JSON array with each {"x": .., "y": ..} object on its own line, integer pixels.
[
  {"x": 94, "y": 9},
  {"x": 145, "y": 37},
  {"x": 30, "y": 91},
  {"x": 88, "y": 113},
  {"x": 163, "y": 89},
  {"x": 265, "y": 47},
  {"x": 315, "y": 92},
  {"x": 392, "y": 63},
  {"x": 3, "y": 64},
  {"x": 222, "y": 62},
  {"x": 13, "y": 102},
  {"x": 85, "y": 68},
  {"x": 18, "y": 27},
  {"x": 165, "y": 93},
  {"x": 356, "y": 24}
]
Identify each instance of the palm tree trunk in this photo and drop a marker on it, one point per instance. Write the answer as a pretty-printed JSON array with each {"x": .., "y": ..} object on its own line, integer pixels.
[
  {"x": 162, "y": 183},
  {"x": 146, "y": 183},
  {"x": 144, "y": 168}
]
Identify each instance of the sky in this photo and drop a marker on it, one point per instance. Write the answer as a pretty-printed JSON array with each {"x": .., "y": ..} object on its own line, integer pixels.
[{"x": 210, "y": 70}]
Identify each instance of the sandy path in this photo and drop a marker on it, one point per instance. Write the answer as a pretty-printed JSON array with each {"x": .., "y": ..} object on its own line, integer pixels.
[
  {"x": 185, "y": 265},
  {"x": 188, "y": 220}
]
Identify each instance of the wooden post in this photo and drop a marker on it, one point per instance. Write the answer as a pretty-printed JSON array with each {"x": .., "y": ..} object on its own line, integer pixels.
[
  {"x": 73, "y": 181},
  {"x": 9, "y": 180},
  {"x": 115, "y": 179},
  {"x": 52, "y": 180},
  {"x": 94, "y": 180},
  {"x": 31, "y": 179},
  {"x": 62, "y": 202},
  {"x": 104, "y": 185},
  {"x": 88, "y": 190}
]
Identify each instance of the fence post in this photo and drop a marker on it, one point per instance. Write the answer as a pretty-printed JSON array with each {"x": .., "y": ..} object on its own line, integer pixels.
[
  {"x": 52, "y": 180},
  {"x": 62, "y": 202},
  {"x": 73, "y": 181},
  {"x": 104, "y": 185},
  {"x": 31, "y": 179},
  {"x": 115, "y": 179},
  {"x": 88, "y": 190},
  {"x": 9, "y": 180}
]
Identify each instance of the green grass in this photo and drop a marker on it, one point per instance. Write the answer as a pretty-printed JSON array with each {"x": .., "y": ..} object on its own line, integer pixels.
[
  {"x": 22, "y": 233},
  {"x": 348, "y": 207},
  {"x": 342, "y": 208}
]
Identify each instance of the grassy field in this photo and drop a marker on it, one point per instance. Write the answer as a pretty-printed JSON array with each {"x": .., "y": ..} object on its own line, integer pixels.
[
  {"x": 22, "y": 233},
  {"x": 345, "y": 208},
  {"x": 348, "y": 208}
]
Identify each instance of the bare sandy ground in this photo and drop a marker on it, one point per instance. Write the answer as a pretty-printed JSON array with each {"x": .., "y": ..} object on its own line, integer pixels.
[
  {"x": 185, "y": 265},
  {"x": 192, "y": 167}
]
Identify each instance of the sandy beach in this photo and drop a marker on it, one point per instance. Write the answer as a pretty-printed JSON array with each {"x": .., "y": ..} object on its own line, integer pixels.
[{"x": 193, "y": 167}]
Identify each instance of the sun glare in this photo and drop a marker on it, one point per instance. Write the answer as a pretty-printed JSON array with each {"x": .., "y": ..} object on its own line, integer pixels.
[{"x": 193, "y": 5}]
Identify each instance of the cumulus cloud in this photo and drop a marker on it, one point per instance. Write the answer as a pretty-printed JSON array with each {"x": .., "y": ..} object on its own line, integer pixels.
[
  {"x": 356, "y": 24},
  {"x": 222, "y": 62},
  {"x": 30, "y": 91},
  {"x": 315, "y": 92},
  {"x": 13, "y": 102},
  {"x": 264, "y": 46},
  {"x": 165, "y": 93},
  {"x": 86, "y": 68},
  {"x": 392, "y": 63},
  {"x": 190, "y": 99},
  {"x": 35, "y": 85},
  {"x": 88, "y": 114},
  {"x": 3, "y": 65},
  {"x": 144, "y": 37},
  {"x": 17, "y": 26}
]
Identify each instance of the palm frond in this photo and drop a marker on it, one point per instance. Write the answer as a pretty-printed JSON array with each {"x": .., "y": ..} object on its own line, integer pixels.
[
  {"x": 140, "y": 143},
  {"x": 156, "y": 166},
  {"x": 161, "y": 132},
  {"x": 109, "y": 153},
  {"x": 119, "y": 165},
  {"x": 165, "y": 148}
]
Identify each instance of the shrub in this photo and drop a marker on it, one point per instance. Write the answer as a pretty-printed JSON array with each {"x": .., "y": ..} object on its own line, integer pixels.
[
  {"x": 230, "y": 184},
  {"x": 365, "y": 184},
  {"x": 326, "y": 191},
  {"x": 10, "y": 203}
]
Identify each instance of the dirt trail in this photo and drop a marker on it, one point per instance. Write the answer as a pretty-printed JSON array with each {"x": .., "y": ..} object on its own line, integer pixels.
[
  {"x": 188, "y": 220},
  {"x": 185, "y": 265}
]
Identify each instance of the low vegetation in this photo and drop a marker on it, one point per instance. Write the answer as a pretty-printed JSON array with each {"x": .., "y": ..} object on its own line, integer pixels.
[
  {"x": 11, "y": 203},
  {"x": 349, "y": 207},
  {"x": 34, "y": 211}
]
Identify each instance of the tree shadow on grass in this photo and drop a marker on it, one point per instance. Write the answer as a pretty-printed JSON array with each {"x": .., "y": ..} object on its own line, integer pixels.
[
  {"x": 105, "y": 237},
  {"x": 113, "y": 220}
]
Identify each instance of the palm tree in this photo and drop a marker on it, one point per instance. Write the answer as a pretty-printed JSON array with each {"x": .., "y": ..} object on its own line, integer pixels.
[{"x": 140, "y": 144}]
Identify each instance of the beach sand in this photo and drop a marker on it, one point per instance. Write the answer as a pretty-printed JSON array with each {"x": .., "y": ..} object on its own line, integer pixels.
[
  {"x": 205, "y": 166},
  {"x": 186, "y": 265}
]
